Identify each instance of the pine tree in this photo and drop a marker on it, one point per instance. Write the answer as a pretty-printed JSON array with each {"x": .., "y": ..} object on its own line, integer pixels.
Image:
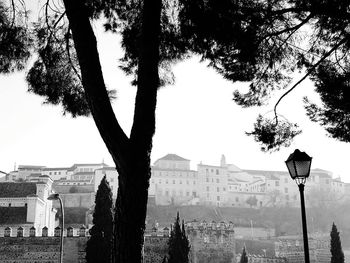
[
  {"x": 336, "y": 249},
  {"x": 179, "y": 247},
  {"x": 244, "y": 257},
  {"x": 99, "y": 246}
]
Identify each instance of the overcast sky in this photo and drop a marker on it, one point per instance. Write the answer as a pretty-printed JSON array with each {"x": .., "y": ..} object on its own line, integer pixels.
[{"x": 196, "y": 119}]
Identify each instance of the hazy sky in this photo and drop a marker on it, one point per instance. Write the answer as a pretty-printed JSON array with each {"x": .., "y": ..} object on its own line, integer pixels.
[{"x": 196, "y": 119}]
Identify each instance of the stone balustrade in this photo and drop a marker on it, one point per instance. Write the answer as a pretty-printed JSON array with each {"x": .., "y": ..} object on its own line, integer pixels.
[{"x": 32, "y": 232}]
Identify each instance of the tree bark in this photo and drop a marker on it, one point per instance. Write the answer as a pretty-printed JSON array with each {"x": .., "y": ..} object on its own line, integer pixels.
[
  {"x": 131, "y": 204},
  {"x": 131, "y": 155}
]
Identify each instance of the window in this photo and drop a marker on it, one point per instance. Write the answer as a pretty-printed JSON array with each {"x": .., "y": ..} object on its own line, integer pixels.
[
  {"x": 224, "y": 189},
  {"x": 166, "y": 181},
  {"x": 237, "y": 199},
  {"x": 187, "y": 182},
  {"x": 217, "y": 180},
  {"x": 217, "y": 189},
  {"x": 218, "y": 198},
  {"x": 167, "y": 193},
  {"x": 277, "y": 183},
  {"x": 286, "y": 180},
  {"x": 194, "y": 193},
  {"x": 286, "y": 190},
  {"x": 207, "y": 188},
  {"x": 217, "y": 171},
  {"x": 180, "y": 181},
  {"x": 173, "y": 181},
  {"x": 207, "y": 179},
  {"x": 194, "y": 182},
  {"x": 160, "y": 181},
  {"x": 187, "y": 193}
]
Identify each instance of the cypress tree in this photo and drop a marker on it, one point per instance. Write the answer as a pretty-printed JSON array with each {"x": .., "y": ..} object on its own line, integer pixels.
[
  {"x": 336, "y": 249},
  {"x": 99, "y": 246},
  {"x": 244, "y": 257},
  {"x": 179, "y": 247}
]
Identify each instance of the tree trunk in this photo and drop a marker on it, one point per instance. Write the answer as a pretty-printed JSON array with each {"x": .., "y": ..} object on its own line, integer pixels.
[
  {"x": 131, "y": 204},
  {"x": 131, "y": 155}
]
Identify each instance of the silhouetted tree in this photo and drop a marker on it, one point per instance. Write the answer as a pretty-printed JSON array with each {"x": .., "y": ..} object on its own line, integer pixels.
[
  {"x": 178, "y": 243},
  {"x": 254, "y": 41},
  {"x": 99, "y": 246},
  {"x": 336, "y": 249},
  {"x": 15, "y": 40},
  {"x": 244, "y": 257}
]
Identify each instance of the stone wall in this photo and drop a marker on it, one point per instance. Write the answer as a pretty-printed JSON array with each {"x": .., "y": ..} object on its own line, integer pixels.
[
  {"x": 85, "y": 200},
  {"x": 41, "y": 249}
]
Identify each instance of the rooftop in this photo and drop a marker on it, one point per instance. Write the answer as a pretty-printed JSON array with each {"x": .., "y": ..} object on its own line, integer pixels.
[
  {"x": 17, "y": 189},
  {"x": 38, "y": 167},
  {"x": 56, "y": 168},
  {"x": 172, "y": 157}
]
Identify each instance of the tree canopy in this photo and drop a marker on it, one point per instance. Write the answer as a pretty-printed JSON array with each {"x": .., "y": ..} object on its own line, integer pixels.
[
  {"x": 178, "y": 243},
  {"x": 337, "y": 255},
  {"x": 99, "y": 246},
  {"x": 260, "y": 42}
]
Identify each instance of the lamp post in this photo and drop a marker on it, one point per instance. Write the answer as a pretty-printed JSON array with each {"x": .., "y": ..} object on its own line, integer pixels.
[
  {"x": 298, "y": 164},
  {"x": 57, "y": 197}
]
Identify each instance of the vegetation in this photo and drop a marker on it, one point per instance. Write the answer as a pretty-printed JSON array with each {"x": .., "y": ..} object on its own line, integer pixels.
[
  {"x": 99, "y": 246},
  {"x": 179, "y": 246},
  {"x": 336, "y": 249},
  {"x": 244, "y": 257},
  {"x": 252, "y": 201},
  {"x": 260, "y": 42}
]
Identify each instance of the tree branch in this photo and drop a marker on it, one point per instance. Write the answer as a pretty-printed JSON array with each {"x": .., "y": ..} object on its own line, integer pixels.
[
  {"x": 147, "y": 79},
  {"x": 97, "y": 96},
  {"x": 288, "y": 29},
  {"x": 310, "y": 70}
]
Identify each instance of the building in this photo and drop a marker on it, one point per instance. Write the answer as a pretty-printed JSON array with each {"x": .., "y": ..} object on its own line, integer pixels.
[
  {"x": 173, "y": 182},
  {"x": 25, "y": 204}
]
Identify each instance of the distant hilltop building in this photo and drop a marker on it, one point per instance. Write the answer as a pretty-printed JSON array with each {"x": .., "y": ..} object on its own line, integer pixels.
[
  {"x": 174, "y": 182},
  {"x": 25, "y": 204}
]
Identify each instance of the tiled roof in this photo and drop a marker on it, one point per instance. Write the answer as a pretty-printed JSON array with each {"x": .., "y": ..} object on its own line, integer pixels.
[
  {"x": 31, "y": 167},
  {"x": 56, "y": 169},
  {"x": 87, "y": 164},
  {"x": 13, "y": 215},
  {"x": 172, "y": 157},
  {"x": 17, "y": 189}
]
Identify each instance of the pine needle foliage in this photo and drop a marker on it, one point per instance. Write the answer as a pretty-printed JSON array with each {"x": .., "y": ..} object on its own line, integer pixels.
[
  {"x": 99, "y": 246},
  {"x": 336, "y": 249},
  {"x": 179, "y": 247},
  {"x": 244, "y": 257}
]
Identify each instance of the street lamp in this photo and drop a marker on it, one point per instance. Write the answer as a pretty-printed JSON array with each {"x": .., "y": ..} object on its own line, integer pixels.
[
  {"x": 298, "y": 164},
  {"x": 57, "y": 197}
]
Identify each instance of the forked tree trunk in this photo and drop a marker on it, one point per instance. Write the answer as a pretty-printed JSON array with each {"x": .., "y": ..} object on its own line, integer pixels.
[{"x": 131, "y": 155}]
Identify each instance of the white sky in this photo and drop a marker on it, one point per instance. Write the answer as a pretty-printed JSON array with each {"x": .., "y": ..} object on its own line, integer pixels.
[{"x": 196, "y": 119}]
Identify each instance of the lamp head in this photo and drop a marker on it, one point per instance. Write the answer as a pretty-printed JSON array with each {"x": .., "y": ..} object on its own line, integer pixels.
[
  {"x": 54, "y": 196},
  {"x": 299, "y": 164}
]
